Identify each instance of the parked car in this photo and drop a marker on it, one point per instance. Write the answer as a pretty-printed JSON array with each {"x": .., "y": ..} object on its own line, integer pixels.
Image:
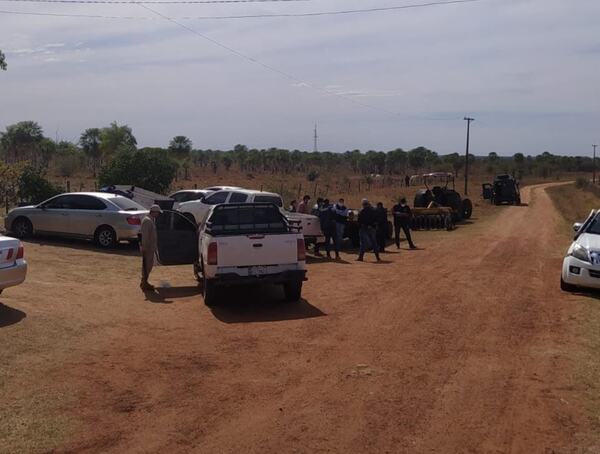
[
  {"x": 505, "y": 189},
  {"x": 106, "y": 218},
  {"x": 239, "y": 244},
  {"x": 581, "y": 266},
  {"x": 13, "y": 267},
  {"x": 198, "y": 209},
  {"x": 187, "y": 195}
]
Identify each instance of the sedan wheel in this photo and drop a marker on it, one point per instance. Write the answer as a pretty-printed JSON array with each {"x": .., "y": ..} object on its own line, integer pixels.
[
  {"x": 106, "y": 237},
  {"x": 22, "y": 228}
]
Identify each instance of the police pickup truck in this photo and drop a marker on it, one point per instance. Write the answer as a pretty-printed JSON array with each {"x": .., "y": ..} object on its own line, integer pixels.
[{"x": 239, "y": 244}]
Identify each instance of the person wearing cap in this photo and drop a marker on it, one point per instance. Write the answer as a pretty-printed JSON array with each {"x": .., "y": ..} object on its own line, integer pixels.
[
  {"x": 148, "y": 245},
  {"x": 367, "y": 224}
]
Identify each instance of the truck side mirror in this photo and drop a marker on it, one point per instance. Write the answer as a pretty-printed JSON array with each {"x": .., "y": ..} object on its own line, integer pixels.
[{"x": 577, "y": 226}]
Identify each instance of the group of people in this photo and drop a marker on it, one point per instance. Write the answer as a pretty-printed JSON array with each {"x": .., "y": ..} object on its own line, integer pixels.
[{"x": 373, "y": 226}]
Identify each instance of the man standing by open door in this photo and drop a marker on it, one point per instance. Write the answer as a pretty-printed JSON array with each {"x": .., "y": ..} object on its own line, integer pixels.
[{"x": 148, "y": 245}]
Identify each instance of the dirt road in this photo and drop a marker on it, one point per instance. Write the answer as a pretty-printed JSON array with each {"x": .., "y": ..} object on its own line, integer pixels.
[{"x": 463, "y": 346}]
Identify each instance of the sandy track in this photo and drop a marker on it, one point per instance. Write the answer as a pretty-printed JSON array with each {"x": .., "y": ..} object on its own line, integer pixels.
[{"x": 460, "y": 347}]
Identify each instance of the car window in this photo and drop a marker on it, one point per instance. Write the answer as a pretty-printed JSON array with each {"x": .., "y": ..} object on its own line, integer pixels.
[
  {"x": 126, "y": 204},
  {"x": 171, "y": 220},
  {"x": 227, "y": 220},
  {"x": 86, "y": 202},
  {"x": 59, "y": 202},
  {"x": 216, "y": 198},
  {"x": 179, "y": 197},
  {"x": 268, "y": 199},
  {"x": 238, "y": 197}
]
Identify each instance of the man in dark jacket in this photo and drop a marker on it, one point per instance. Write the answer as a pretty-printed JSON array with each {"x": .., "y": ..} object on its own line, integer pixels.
[
  {"x": 327, "y": 221},
  {"x": 367, "y": 224},
  {"x": 402, "y": 217},
  {"x": 382, "y": 226}
]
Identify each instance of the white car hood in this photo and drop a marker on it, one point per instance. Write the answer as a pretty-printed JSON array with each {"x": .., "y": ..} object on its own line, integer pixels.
[{"x": 589, "y": 241}]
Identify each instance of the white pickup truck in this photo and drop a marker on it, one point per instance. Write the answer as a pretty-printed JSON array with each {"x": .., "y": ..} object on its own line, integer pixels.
[{"x": 239, "y": 244}]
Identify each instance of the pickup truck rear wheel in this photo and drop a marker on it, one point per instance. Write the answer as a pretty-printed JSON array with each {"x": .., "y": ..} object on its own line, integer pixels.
[
  {"x": 198, "y": 272},
  {"x": 293, "y": 291},
  {"x": 209, "y": 292}
]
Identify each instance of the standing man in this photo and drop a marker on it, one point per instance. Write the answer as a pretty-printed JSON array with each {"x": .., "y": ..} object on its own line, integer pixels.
[
  {"x": 407, "y": 181},
  {"x": 148, "y": 245},
  {"x": 327, "y": 221},
  {"x": 402, "y": 217},
  {"x": 340, "y": 215},
  {"x": 382, "y": 226},
  {"x": 304, "y": 206},
  {"x": 367, "y": 223}
]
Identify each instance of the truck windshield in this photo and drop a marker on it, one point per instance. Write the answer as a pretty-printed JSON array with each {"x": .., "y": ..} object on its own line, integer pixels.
[
  {"x": 594, "y": 227},
  {"x": 244, "y": 220}
]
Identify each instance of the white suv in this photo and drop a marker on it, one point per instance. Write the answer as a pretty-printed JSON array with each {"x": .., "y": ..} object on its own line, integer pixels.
[
  {"x": 581, "y": 266},
  {"x": 200, "y": 208}
]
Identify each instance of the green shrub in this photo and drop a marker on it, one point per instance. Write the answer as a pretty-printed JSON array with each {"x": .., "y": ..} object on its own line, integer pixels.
[
  {"x": 150, "y": 169},
  {"x": 312, "y": 175},
  {"x": 34, "y": 187}
]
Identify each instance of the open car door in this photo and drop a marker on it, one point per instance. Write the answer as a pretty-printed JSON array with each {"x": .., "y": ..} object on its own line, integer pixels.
[{"x": 177, "y": 239}]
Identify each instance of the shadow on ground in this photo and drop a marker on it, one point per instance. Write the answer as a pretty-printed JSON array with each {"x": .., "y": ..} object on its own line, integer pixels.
[
  {"x": 260, "y": 304},
  {"x": 10, "y": 316},
  {"x": 165, "y": 295},
  {"x": 128, "y": 249}
]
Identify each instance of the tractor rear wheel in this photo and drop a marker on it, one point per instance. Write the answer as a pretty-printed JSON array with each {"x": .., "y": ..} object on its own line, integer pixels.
[{"x": 466, "y": 209}]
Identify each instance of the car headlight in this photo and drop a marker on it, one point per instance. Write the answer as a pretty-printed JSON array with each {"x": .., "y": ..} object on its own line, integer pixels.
[{"x": 581, "y": 253}]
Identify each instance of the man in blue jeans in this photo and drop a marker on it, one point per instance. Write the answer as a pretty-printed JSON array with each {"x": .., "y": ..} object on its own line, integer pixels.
[
  {"x": 340, "y": 213},
  {"x": 367, "y": 230}
]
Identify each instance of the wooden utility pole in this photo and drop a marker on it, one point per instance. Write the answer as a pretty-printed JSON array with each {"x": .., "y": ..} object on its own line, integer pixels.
[
  {"x": 468, "y": 120},
  {"x": 594, "y": 165}
]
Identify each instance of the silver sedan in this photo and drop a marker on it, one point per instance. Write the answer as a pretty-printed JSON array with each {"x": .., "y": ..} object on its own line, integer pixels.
[{"x": 105, "y": 218}]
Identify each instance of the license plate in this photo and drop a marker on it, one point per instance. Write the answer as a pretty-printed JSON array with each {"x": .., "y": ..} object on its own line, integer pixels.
[{"x": 258, "y": 270}]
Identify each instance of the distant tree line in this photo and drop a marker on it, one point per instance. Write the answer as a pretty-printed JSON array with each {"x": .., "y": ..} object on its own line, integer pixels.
[{"x": 111, "y": 155}]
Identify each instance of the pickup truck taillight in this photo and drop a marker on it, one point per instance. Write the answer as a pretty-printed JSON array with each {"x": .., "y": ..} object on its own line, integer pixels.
[
  {"x": 132, "y": 220},
  {"x": 20, "y": 252},
  {"x": 301, "y": 250},
  {"x": 211, "y": 258}
]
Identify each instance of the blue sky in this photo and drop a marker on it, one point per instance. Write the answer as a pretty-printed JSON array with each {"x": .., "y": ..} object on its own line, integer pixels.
[{"x": 527, "y": 70}]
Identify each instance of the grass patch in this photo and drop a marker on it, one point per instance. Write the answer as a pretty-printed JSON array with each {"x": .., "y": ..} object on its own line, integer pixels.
[{"x": 573, "y": 202}]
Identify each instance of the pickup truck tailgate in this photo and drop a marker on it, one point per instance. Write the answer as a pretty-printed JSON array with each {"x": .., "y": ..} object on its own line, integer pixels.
[{"x": 256, "y": 250}]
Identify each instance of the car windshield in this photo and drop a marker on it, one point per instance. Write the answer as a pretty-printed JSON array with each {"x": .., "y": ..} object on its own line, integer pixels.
[
  {"x": 126, "y": 204},
  {"x": 594, "y": 227}
]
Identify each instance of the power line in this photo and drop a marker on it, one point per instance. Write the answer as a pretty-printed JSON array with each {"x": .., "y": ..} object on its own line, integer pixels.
[
  {"x": 241, "y": 16},
  {"x": 133, "y": 2},
  {"x": 239, "y": 54},
  {"x": 278, "y": 71}
]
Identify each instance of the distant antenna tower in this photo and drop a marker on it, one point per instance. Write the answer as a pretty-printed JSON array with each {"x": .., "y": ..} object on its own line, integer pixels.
[{"x": 316, "y": 137}]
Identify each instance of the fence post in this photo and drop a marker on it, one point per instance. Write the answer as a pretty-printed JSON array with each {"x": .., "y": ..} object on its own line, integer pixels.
[
  {"x": 299, "y": 191},
  {"x": 316, "y": 186},
  {"x": 195, "y": 185},
  {"x": 68, "y": 186}
]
